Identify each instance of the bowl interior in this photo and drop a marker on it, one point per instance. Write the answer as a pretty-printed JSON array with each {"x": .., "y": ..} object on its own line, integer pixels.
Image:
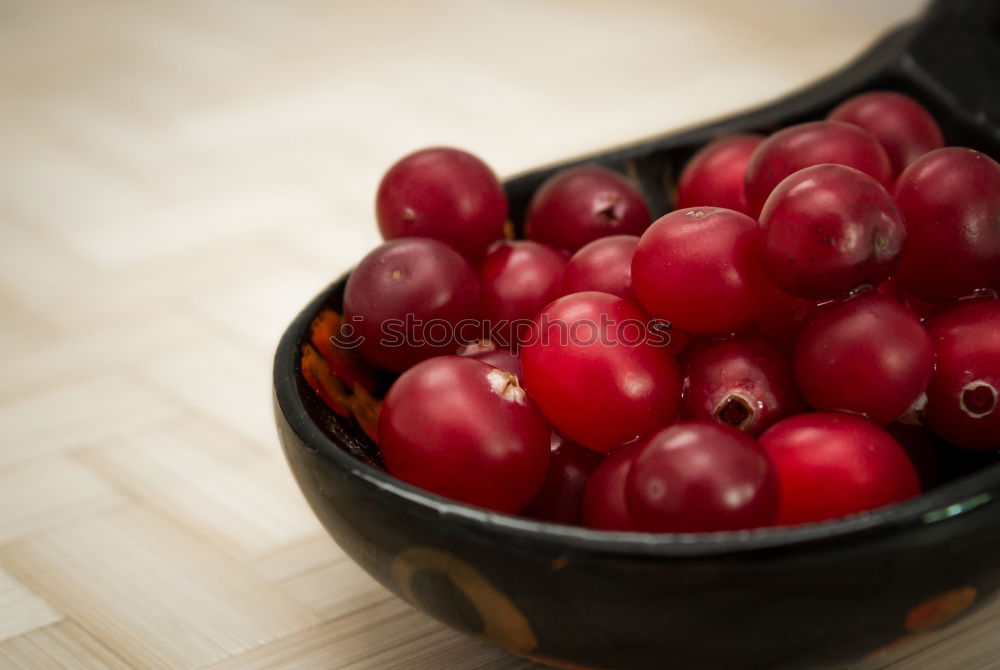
[{"x": 655, "y": 164}]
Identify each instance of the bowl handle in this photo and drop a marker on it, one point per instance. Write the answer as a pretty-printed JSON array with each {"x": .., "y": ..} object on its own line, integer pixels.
[{"x": 954, "y": 54}]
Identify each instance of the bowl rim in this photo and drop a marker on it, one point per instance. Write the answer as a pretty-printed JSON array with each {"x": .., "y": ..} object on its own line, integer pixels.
[{"x": 941, "y": 504}]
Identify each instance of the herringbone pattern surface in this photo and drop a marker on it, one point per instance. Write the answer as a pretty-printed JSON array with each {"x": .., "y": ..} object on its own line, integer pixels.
[{"x": 176, "y": 180}]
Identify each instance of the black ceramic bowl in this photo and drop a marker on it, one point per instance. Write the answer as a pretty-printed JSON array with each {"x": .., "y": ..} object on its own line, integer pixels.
[{"x": 821, "y": 595}]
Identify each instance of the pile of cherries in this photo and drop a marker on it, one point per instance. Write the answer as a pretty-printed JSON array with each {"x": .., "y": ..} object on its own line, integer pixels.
[{"x": 794, "y": 343}]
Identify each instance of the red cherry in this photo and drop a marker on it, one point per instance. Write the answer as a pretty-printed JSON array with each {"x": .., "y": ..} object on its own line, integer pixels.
[
  {"x": 465, "y": 430},
  {"x": 603, "y": 265},
  {"x": 714, "y": 175},
  {"x": 745, "y": 382},
  {"x": 950, "y": 200},
  {"x": 399, "y": 288},
  {"x": 832, "y": 465},
  {"x": 901, "y": 124},
  {"x": 596, "y": 373},
  {"x": 445, "y": 194},
  {"x": 869, "y": 355},
  {"x": 829, "y": 230},
  {"x": 581, "y": 204},
  {"x": 517, "y": 279},
  {"x": 699, "y": 477},
  {"x": 561, "y": 496},
  {"x": 796, "y": 147},
  {"x": 604, "y": 506},
  {"x": 698, "y": 268},
  {"x": 962, "y": 399}
]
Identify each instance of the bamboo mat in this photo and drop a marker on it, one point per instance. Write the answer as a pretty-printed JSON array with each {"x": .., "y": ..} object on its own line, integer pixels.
[{"x": 176, "y": 180}]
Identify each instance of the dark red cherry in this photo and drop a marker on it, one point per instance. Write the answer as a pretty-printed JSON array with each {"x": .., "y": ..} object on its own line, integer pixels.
[
  {"x": 700, "y": 270},
  {"x": 697, "y": 477},
  {"x": 830, "y": 229},
  {"x": 579, "y": 205},
  {"x": 901, "y": 124},
  {"x": 561, "y": 496},
  {"x": 405, "y": 300},
  {"x": 714, "y": 175},
  {"x": 517, "y": 278},
  {"x": 465, "y": 430},
  {"x": 603, "y": 265},
  {"x": 869, "y": 355},
  {"x": 833, "y": 465},
  {"x": 963, "y": 399},
  {"x": 604, "y": 506},
  {"x": 950, "y": 201},
  {"x": 442, "y": 193},
  {"x": 796, "y": 147},
  {"x": 593, "y": 370},
  {"x": 745, "y": 382}
]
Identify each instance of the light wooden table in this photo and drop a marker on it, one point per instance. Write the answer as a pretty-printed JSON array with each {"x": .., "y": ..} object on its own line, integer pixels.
[{"x": 176, "y": 180}]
